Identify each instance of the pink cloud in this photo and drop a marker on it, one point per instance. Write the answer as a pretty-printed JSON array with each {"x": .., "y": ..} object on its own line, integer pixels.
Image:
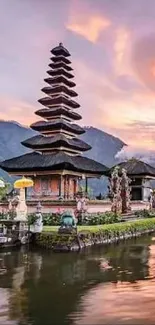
[
  {"x": 85, "y": 22},
  {"x": 108, "y": 98},
  {"x": 114, "y": 110},
  {"x": 122, "y": 44},
  {"x": 17, "y": 110}
]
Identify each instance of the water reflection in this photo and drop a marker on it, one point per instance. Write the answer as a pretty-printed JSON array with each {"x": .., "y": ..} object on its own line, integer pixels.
[
  {"x": 120, "y": 303},
  {"x": 103, "y": 285}
]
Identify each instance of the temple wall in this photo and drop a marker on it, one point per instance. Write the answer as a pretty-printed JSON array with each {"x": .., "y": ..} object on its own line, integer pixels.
[
  {"x": 54, "y": 187},
  {"x": 139, "y": 205},
  {"x": 146, "y": 189},
  {"x": 92, "y": 206},
  {"x": 52, "y": 208},
  {"x": 146, "y": 193},
  {"x": 99, "y": 207},
  {"x": 37, "y": 185},
  {"x": 49, "y": 186}
]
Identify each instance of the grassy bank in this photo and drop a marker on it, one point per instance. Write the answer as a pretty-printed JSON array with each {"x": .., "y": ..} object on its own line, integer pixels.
[
  {"x": 92, "y": 235},
  {"x": 129, "y": 225}
]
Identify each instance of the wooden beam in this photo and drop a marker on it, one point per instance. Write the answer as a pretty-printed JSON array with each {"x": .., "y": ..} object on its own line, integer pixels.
[
  {"x": 65, "y": 187},
  {"x": 55, "y": 172}
]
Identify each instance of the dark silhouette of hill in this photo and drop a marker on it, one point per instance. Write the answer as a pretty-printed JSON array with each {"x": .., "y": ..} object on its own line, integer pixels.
[{"x": 104, "y": 146}]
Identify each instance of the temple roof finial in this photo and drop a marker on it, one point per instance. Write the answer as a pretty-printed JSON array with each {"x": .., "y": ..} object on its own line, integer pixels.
[{"x": 60, "y": 44}]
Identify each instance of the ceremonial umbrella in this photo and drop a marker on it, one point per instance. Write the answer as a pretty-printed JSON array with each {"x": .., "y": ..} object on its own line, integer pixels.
[
  {"x": 21, "y": 209},
  {"x": 23, "y": 183}
]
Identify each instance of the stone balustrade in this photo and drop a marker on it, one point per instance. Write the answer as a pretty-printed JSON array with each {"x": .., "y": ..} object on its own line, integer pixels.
[{"x": 54, "y": 205}]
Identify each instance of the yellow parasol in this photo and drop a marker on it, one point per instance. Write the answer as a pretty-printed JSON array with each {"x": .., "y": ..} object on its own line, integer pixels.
[{"x": 23, "y": 183}]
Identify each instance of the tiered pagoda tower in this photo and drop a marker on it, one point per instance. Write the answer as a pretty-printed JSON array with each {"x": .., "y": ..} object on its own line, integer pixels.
[{"x": 56, "y": 163}]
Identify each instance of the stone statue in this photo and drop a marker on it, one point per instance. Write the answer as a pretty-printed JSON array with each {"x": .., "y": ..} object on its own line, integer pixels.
[
  {"x": 81, "y": 207},
  {"x": 21, "y": 209},
  {"x": 68, "y": 223},
  {"x": 115, "y": 191},
  {"x": 38, "y": 224},
  {"x": 125, "y": 192}
]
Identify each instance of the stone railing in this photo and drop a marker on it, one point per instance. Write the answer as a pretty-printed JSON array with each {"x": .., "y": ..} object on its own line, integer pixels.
[{"x": 46, "y": 195}]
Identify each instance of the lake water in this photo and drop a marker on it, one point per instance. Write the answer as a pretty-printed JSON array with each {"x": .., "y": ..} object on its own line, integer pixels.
[{"x": 102, "y": 285}]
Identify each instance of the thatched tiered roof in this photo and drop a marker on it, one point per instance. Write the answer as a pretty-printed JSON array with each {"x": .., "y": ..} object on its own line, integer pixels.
[
  {"x": 57, "y": 147},
  {"x": 57, "y": 161},
  {"x": 134, "y": 167}
]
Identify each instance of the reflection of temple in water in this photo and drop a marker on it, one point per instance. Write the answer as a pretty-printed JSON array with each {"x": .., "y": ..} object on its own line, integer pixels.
[
  {"x": 14, "y": 270},
  {"x": 129, "y": 300},
  {"x": 37, "y": 284}
]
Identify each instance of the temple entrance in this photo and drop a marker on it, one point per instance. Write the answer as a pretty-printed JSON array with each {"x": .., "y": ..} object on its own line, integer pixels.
[{"x": 136, "y": 194}]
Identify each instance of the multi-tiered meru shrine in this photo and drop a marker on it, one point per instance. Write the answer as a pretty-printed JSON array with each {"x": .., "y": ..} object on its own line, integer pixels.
[{"x": 56, "y": 163}]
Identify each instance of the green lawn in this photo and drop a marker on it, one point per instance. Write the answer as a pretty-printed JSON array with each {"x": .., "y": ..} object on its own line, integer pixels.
[
  {"x": 80, "y": 228},
  {"x": 146, "y": 223},
  {"x": 50, "y": 228}
]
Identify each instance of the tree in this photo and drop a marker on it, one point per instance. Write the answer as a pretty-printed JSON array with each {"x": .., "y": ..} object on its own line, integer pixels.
[{"x": 4, "y": 190}]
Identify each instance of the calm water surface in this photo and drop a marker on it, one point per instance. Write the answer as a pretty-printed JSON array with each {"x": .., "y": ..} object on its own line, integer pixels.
[{"x": 103, "y": 285}]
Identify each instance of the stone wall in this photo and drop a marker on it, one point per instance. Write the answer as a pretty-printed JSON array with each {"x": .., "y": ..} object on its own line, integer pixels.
[
  {"x": 58, "y": 206},
  {"x": 94, "y": 206}
]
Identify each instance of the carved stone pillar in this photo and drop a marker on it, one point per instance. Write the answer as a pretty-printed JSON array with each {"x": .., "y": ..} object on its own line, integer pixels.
[
  {"x": 60, "y": 185},
  {"x": 68, "y": 187},
  {"x": 76, "y": 187},
  {"x": 65, "y": 187}
]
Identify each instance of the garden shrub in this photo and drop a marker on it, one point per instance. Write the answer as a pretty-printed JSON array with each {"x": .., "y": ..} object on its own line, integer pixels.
[
  {"x": 32, "y": 218},
  {"x": 2, "y": 215},
  {"x": 144, "y": 213},
  {"x": 54, "y": 219},
  {"x": 7, "y": 215},
  {"x": 101, "y": 218}
]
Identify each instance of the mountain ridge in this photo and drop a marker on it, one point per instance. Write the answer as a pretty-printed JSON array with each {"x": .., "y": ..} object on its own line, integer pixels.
[{"x": 104, "y": 146}]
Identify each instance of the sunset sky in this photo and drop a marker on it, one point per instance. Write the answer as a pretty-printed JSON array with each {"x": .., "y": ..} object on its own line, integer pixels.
[{"x": 112, "y": 43}]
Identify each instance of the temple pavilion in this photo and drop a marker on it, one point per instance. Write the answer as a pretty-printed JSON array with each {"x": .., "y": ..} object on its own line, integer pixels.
[
  {"x": 141, "y": 175},
  {"x": 56, "y": 163}
]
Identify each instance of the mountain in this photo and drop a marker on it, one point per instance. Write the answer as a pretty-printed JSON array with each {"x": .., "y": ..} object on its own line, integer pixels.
[
  {"x": 11, "y": 134},
  {"x": 104, "y": 146}
]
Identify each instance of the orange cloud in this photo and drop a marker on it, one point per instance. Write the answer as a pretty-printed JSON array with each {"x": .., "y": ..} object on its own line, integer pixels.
[
  {"x": 152, "y": 69},
  {"x": 90, "y": 27},
  {"x": 17, "y": 110},
  {"x": 86, "y": 22},
  {"x": 143, "y": 60},
  {"x": 121, "y": 48},
  {"x": 103, "y": 105},
  {"x": 115, "y": 111}
]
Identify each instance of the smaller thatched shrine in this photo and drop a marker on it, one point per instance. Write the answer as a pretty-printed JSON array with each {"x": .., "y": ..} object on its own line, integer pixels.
[{"x": 141, "y": 175}]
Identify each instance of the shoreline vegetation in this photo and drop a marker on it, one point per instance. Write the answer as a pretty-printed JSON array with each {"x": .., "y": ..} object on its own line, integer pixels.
[{"x": 93, "y": 235}]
